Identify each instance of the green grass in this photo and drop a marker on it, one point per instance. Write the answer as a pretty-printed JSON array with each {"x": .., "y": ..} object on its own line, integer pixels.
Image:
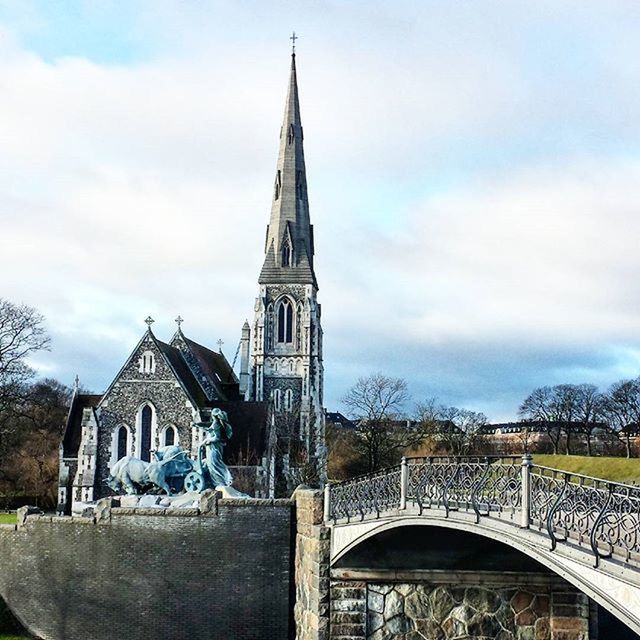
[
  {"x": 13, "y": 637},
  {"x": 617, "y": 469},
  {"x": 7, "y": 518}
]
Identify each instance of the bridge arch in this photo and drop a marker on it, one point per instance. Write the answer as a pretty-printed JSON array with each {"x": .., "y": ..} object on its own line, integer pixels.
[{"x": 615, "y": 591}]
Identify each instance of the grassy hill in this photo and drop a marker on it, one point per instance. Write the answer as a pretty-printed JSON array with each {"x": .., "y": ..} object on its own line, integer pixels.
[{"x": 617, "y": 469}]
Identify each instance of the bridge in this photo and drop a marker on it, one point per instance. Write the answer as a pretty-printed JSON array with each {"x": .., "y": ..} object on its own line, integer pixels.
[{"x": 585, "y": 530}]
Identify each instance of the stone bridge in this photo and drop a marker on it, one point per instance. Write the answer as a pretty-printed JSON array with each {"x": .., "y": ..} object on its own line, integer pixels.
[{"x": 582, "y": 530}]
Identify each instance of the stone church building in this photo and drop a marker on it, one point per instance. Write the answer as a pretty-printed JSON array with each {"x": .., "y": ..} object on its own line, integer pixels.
[{"x": 275, "y": 403}]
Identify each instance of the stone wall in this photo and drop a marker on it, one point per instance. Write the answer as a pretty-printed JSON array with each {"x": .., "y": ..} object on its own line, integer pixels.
[
  {"x": 311, "y": 567},
  {"x": 414, "y": 611},
  {"x": 144, "y": 573}
]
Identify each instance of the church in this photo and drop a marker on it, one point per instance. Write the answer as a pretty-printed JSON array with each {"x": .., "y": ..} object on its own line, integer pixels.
[{"x": 274, "y": 403}]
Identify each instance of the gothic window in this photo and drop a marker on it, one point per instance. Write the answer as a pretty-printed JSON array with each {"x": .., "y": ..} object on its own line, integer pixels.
[
  {"x": 276, "y": 399},
  {"x": 291, "y": 134},
  {"x": 286, "y": 254},
  {"x": 288, "y": 400},
  {"x": 299, "y": 189},
  {"x": 285, "y": 321},
  {"x": 269, "y": 327},
  {"x": 147, "y": 362},
  {"x": 122, "y": 442},
  {"x": 169, "y": 436},
  {"x": 278, "y": 185},
  {"x": 299, "y": 326},
  {"x": 145, "y": 433}
]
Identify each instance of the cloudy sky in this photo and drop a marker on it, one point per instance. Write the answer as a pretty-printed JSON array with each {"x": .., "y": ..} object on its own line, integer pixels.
[{"x": 474, "y": 177}]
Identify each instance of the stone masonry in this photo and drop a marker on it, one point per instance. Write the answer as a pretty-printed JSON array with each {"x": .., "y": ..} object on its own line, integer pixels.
[
  {"x": 424, "y": 611},
  {"x": 311, "y": 611}
]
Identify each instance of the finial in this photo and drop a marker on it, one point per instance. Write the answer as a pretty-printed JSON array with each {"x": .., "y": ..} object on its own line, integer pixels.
[
  {"x": 76, "y": 383},
  {"x": 149, "y": 321},
  {"x": 293, "y": 39},
  {"x": 179, "y": 321},
  {"x": 220, "y": 343}
]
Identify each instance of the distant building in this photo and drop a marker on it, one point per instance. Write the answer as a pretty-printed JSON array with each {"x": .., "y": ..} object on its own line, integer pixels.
[{"x": 336, "y": 419}]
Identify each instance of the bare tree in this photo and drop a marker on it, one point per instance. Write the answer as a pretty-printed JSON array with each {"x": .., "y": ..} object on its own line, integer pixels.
[
  {"x": 590, "y": 412},
  {"x": 21, "y": 334},
  {"x": 622, "y": 408},
  {"x": 456, "y": 429},
  {"x": 376, "y": 402},
  {"x": 541, "y": 407}
]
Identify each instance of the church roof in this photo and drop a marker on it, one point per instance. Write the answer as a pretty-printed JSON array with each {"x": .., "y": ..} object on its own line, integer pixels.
[
  {"x": 213, "y": 364},
  {"x": 290, "y": 231},
  {"x": 73, "y": 428},
  {"x": 183, "y": 373}
]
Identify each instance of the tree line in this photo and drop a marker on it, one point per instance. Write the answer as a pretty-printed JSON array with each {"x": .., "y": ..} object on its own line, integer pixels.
[
  {"x": 32, "y": 411},
  {"x": 571, "y": 418},
  {"x": 570, "y": 412}
]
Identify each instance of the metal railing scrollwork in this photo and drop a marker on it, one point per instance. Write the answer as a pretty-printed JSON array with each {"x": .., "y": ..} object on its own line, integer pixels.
[{"x": 601, "y": 516}]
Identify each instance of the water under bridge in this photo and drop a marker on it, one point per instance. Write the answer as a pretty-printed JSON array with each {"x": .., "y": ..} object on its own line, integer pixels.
[{"x": 585, "y": 530}]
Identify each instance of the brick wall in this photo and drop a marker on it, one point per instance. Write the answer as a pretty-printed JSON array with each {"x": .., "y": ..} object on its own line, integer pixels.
[{"x": 143, "y": 574}]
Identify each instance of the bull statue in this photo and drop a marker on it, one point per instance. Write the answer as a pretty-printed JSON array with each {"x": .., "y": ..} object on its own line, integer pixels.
[{"x": 135, "y": 475}]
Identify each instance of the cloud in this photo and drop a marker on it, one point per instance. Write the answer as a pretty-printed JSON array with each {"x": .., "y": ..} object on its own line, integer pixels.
[{"x": 473, "y": 179}]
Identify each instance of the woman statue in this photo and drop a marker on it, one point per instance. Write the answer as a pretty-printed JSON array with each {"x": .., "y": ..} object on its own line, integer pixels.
[{"x": 210, "y": 452}]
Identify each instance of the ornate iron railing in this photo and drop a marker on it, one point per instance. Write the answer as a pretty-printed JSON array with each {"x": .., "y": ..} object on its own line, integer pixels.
[
  {"x": 599, "y": 515},
  {"x": 482, "y": 485},
  {"x": 588, "y": 511},
  {"x": 366, "y": 495}
]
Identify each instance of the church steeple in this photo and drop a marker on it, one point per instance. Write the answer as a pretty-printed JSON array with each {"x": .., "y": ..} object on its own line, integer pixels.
[
  {"x": 286, "y": 360},
  {"x": 289, "y": 244}
]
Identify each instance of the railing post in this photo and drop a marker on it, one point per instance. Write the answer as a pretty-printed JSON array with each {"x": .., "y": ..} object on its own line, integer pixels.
[
  {"x": 525, "y": 514},
  {"x": 327, "y": 502},
  {"x": 404, "y": 477}
]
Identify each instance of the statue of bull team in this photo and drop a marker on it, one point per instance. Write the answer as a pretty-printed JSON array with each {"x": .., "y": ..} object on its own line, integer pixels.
[{"x": 171, "y": 469}]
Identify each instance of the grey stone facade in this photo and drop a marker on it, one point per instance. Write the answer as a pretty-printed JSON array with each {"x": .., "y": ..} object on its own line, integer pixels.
[
  {"x": 130, "y": 391},
  {"x": 176, "y": 384}
]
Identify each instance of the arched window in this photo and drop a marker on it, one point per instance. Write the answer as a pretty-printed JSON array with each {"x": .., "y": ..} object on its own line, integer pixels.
[
  {"x": 286, "y": 254},
  {"x": 276, "y": 399},
  {"x": 278, "y": 185},
  {"x": 147, "y": 362},
  {"x": 169, "y": 436},
  {"x": 285, "y": 321},
  {"x": 123, "y": 433},
  {"x": 145, "y": 433},
  {"x": 288, "y": 400}
]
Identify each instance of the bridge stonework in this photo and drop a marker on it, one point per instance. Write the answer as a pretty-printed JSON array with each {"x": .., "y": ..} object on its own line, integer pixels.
[{"x": 384, "y": 610}]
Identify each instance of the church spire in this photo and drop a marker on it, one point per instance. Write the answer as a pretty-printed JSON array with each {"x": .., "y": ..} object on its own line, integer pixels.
[{"x": 289, "y": 245}]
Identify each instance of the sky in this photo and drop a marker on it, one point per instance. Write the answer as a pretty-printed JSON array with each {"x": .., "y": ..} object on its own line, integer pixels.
[{"x": 473, "y": 170}]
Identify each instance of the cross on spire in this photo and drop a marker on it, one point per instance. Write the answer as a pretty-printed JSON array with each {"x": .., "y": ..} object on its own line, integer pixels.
[
  {"x": 293, "y": 39},
  {"x": 220, "y": 343},
  {"x": 179, "y": 320},
  {"x": 149, "y": 321}
]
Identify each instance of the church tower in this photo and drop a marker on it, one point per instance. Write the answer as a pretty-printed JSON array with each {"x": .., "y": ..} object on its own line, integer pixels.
[{"x": 286, "y": 361}]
